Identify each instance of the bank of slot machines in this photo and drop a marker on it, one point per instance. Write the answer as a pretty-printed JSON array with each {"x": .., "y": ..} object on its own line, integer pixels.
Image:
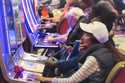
[
  {"x": 32, "y": 25},
  {"x": 16, "y": 64}
]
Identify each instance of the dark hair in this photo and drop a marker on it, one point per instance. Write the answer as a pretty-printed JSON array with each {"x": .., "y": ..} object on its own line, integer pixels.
[
  {"x": 106, "y": 13},
  {"x": 75, "y": 34},
  {"x": 88, "y": 2},
  {"x": 62, "y": 3},
  {"x": 39, "y": 10},
  {"x": 119, "y": 55},
  {"x": 103, "y": 9},
  {"x": 92, "y": 38}
]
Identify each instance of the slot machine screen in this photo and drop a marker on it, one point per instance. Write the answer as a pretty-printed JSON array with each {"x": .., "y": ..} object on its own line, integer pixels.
[
  {"x": 10, "y": 26},
  {"x": 20, "y": 34},
  {"x": 13, "y": 31},
  {"x": 15, "y": 35},
  {"x": 9, "y": 34}
]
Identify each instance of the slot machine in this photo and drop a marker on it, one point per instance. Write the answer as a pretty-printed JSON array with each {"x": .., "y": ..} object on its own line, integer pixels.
[
  {"x": 15, "y": 64},
  {"x": 32, "y": 25}
]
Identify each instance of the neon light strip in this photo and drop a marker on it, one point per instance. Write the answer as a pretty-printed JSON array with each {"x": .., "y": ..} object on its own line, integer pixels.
[
  {"x": 31, "y": 16},
  {"x": 26, "y": 15},
  {"x": 31, "y": 11},
  {"x": 6, "y": 26}
]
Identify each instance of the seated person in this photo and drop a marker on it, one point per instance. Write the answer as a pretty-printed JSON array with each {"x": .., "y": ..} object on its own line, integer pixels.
[
  {"x": 101, "y": 11},
  {"x": 72, "y": 17},
  {"x": 49, "y": 9},
  {"x": 59, "y": 14},
  {"x": 55, "y": 6},
  {"x": 97, "y": 58},
  {"x": 105, "y": 12},
  {"x": 52, "y": 18}
]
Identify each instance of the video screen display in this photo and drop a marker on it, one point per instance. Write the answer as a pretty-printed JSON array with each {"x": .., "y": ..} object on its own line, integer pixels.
[
  {"x": 13, "y": 23},
  {"x": 10, "y": 25}
]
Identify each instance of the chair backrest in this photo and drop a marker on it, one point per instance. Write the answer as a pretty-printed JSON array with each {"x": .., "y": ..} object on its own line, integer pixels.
[
  {"x": 63, "y": 26},
  {"x": 66, "y": 24},
  {"x": 117, "y": 74}
]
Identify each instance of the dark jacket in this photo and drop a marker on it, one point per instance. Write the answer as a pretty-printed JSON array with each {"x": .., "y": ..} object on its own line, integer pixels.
[
  {"x": 119, "y": 5},
  {"x": 67, "y": 63},
  {"x": 106, "y": 60}
]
